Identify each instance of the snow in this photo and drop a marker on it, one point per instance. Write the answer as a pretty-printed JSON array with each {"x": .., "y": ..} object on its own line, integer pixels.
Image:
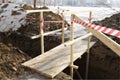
[
  {"x": 98, "y": 13},
  {"x": 9, "y": 22}
]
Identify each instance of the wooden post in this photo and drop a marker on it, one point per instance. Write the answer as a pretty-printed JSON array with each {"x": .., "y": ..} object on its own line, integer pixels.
[
  {"x": 35, "y": 3},
  {"x": 42, "y": 32},
  {"x": 63, "y": 24},
  {"x": 72, "y": 46},
  {"x": 88, "y": 48}
]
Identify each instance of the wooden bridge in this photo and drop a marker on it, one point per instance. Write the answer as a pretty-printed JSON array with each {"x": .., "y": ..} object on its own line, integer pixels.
[{"x": 54, "y": 61}]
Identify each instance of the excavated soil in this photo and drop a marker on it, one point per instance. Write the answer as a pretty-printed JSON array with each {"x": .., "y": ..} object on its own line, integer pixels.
[
  {"x": 10, "y": 61},
  {"x": 17, "y": 47},
  {"x": 104, "y": 63}
]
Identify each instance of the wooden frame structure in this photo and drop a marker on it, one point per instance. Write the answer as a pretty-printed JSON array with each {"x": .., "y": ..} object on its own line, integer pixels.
[
  {"x": 105, "y": 39},
  {"x": 48, "y": 71},
  {"x": 42, "y": 34},
  {"x": 70, "y": 43}
]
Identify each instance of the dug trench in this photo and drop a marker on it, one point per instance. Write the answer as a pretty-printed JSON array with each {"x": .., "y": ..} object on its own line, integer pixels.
[{"x": 104, "y": 63}]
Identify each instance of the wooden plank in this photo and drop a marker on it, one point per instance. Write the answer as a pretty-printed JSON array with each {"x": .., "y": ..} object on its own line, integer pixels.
[
  {"x": 41, "y": 10},
  {"x": 47, "y": 33},
  {"x": 56, "y": 60},
  {"x": 76, "y": 40},
  {"x": 105, "y": 39}
]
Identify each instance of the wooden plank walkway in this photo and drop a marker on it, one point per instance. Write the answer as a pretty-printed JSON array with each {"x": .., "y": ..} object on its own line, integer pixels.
[{"x": 56, "y": 60}]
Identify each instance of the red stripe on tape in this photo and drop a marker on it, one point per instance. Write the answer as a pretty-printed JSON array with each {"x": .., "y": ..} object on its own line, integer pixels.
[
  {"x": 41, "y": 20},
  {"x": 111, "y": 31},
  {"x": 71, "y": 22},
  {"x": 118, "y": 34},
  {"x": 104, "y": 30},
  {"x": 99, "y": 28}
]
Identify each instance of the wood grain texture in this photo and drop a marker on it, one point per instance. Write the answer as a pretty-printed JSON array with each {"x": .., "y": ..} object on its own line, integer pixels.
[{"x": 56, "y": 60}]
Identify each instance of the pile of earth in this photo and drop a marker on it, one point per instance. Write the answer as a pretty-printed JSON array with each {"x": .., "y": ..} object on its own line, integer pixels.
[
  {"x": 111, "y": 22},
  {"x": 104, "y": 63},
  {"x": 10, "y": 61},
  {"x": 21, "y": 39},
  {"x": 16, "y": 47}
]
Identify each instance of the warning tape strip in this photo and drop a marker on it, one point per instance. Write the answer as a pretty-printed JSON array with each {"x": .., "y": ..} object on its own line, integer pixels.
[
  {"x": 54, "y": 21},
  {"x": 102, "y": 29}
]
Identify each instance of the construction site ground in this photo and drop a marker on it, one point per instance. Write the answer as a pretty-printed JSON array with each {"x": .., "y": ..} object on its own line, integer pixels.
[{"x": 16, "y": 49}]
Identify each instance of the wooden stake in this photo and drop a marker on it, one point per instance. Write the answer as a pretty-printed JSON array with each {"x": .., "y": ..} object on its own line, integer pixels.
[
  {"x": 72, "y": 46},
  {"x": 44, "y": 3},
  {"x": 42, "y": 32},
  {"x": 63, "y": 24},
  {"x": 88, "y": 48}
]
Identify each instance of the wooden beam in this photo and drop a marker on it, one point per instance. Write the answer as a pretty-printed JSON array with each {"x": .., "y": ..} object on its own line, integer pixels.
[
  {"x": 63, "y": 30},
  {"x": 75, "y": 67},
  {"x": 105, "y": 39},
  {"x": 41, "y": 10},
  {"x": 78, "y": 39},
  {"x": 41, "y": 33},
  {"x": 88, "y": 50},
  {"x": 47, "y": 33},
  {"x": 72, "y": 47},
  {"x": 52, "y": 32}
]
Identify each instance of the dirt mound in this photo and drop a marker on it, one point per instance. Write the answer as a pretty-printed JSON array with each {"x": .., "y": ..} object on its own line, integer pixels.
[
  {"x": 10, "y": 61},
  {"x": 33, "y": 22},
  {"x": 104, "y": 63},
  {"x": 16, "y": 48},
  {"x": 111, "y": 22}
]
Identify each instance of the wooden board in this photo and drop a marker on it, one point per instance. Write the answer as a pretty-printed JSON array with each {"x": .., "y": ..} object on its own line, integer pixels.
[
  {"x": 37, "y": 76},
  {"x": 42, "y": 10},
  {"x": 56, "y": 60},
  {"x": 105, "y": 39}
]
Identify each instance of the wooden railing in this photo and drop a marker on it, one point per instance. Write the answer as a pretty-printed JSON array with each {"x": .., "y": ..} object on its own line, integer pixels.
[
  {"x": 42, "y": 34},
  {"x": 102, "y": 37}
]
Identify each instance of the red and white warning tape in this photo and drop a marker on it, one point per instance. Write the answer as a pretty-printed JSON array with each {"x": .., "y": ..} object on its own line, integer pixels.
[
  {"x": 42, "y": 28},
  {"x": 54, "y": 21},
  {"x": 102, "y": 29}
]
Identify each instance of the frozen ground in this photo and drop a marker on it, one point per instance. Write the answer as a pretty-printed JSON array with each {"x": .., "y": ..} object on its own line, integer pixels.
[{"x": 12, "y": 17}]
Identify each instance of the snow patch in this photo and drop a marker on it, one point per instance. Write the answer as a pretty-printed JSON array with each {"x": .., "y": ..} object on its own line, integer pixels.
[{"x": 12, "y": 17}]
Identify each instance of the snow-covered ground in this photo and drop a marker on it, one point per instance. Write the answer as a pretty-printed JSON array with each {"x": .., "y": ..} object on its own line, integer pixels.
[
  {"x": 11, "y": 17},
  {"x": 98, "y": 13},
  {"x": 11, "y": 22}
]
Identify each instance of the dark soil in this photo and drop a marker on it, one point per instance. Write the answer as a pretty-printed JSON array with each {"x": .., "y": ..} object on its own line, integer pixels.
[
  {"x": 10, "y": 61},
  {"x": 16, "y": 47},
  {"x": 111, "y": 22},
  {"x": 104, "y": 63}
]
